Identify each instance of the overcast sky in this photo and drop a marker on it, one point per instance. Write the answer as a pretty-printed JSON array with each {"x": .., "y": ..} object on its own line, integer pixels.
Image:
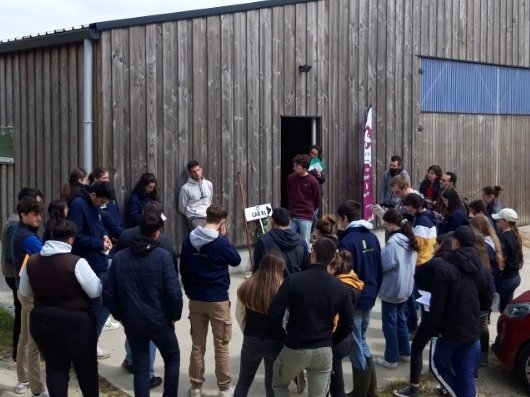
[{"x": 24, "y": 17}]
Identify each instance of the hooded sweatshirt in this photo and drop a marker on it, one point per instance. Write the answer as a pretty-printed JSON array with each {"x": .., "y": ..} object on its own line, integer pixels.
[
  {"x": 204, "y": 262},
  {"x": 399, "y": 262},
  {"x": 286, "y": 242},
  {"x": 424, "y": 228},
  {"x": 366, "y": 251},
  {"x": 59, "y": 279},
  {"x": 195, "y": 197},
  {"x": 461, "y": 286},
  {"x": 142, "y": 288}
]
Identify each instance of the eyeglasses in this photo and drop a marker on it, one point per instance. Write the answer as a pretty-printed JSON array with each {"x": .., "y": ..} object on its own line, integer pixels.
[{"x": 203, "y": 196}]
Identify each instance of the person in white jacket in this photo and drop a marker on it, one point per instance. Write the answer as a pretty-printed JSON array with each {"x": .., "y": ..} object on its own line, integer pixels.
[
  {"x": 62, "y": 286},
  {"x": 399, "y": 261},
  {"x": 195, "y": 196}
]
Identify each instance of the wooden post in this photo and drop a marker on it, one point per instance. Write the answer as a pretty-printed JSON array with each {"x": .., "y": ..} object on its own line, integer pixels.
[{"x": 244, "y": 217}]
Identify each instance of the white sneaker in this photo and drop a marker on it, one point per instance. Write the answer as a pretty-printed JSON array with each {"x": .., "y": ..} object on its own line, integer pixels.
[
  {"x": 228, "y": 392},
  {"x": 383, "y": 363},
  {"x": 195, "y": 392},
  {"x": 404, "y": 359},
  {"x": 110, "y": 325},
  {"x": 12, "y": 364},
  {"x": 102, "y": 353},
  {"x": 21, "y": 387}
]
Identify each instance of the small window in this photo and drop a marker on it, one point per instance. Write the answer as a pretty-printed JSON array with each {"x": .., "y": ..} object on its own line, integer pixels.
[
  {"x": 465, "y": 87},
  {"x": 6, "y": 145}
]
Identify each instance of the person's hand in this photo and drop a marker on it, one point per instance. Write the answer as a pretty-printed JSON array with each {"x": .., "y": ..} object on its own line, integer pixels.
[{"x": 107, "y": 244}]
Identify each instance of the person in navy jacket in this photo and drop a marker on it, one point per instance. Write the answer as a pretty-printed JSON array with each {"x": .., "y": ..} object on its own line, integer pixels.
[
  {"x": 143, "y": 292},
  {"x": 204, "y": 260}
]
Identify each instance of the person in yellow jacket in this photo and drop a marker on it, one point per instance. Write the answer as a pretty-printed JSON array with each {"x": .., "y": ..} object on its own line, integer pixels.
[{"x": 341, "y": 267}]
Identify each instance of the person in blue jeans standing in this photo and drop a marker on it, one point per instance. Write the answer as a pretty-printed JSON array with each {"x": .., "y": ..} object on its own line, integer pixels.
[
  {"x": 461, "y": 286},
  {"x": 399, "y": 261},
  {"x": 363, "y": 244}
]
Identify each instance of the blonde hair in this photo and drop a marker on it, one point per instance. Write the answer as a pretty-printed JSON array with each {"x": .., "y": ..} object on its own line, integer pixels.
[
  {"x": 481, "y": 223},
  {"x": 257, "y": 292},
  {"x": 480, "y": 245},
  {"x": 326, "y": 226}
]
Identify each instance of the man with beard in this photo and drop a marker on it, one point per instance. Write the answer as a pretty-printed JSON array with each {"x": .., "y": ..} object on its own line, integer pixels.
[
  {"x": 195, "y": 196},
  {"x": 283, "y": 240},
  {"x": 387, "y": 198}
]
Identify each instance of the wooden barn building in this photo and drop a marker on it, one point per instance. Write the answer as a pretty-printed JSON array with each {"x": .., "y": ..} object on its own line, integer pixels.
[{"x": 242, "y": 88}]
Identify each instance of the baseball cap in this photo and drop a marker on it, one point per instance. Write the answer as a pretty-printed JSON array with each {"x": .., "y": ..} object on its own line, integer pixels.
[{"x": 507, "y": 214}]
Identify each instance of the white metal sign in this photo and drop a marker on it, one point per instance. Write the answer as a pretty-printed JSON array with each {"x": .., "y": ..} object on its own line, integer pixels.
[{"x": 258, "y": 212}]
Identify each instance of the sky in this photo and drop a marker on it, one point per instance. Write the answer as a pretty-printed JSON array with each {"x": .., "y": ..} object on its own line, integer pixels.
[{"x": 25, "y": 17}]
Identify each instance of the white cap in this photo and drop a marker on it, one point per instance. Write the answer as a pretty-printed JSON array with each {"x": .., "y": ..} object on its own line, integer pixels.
[{"x": 507, "y": 214}]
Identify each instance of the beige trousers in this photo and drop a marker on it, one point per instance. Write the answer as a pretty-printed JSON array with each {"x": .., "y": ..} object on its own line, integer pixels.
[
  {"x": 28, "y": 355},
  {"x": 218, "y": 314}
]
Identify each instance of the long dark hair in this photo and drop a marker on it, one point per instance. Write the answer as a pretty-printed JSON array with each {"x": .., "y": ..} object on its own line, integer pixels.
[
  {"x": 453, "y": 200},
  {"x": 56, "y": 212},
  {"x": 97, "y": 173},
  {"x": 415, "y": 201},
  {"x": 493, "y": 190},
  {"x": 145, "y": 180},
  {"x": 73, "y": 180},
  {"x": 394, "y": 217}
]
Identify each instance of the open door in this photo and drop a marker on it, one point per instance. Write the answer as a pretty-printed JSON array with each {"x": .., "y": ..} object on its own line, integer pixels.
[{"x": 297, "y": 135}]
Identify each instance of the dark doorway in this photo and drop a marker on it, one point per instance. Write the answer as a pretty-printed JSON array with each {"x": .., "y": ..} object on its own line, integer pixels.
[{"x": 298, "y": 134}]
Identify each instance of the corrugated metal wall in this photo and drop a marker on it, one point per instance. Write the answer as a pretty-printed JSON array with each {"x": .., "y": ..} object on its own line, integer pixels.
[{"x": 214, "y": 88}]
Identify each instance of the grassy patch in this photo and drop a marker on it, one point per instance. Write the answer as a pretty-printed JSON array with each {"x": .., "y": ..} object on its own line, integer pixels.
[{"x": 6, "y": 329}]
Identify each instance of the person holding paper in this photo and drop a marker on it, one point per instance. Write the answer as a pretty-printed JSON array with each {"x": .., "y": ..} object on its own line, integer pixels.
[{"x": 399, "y": 260}]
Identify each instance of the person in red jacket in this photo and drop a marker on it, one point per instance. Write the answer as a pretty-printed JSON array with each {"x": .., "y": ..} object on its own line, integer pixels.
[{"x": 303, "y": 193}]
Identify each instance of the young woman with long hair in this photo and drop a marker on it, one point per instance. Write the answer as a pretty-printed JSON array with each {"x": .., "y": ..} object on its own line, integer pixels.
[
  {"x": 455, "y": 214},
  {"x": 77, "y": 181},
  {"x": 399, "y": 262},
  {"x": 263, "y": 339},
  {"x": 513, "y": 255},
  {"x": 144, "y": 191},
  {"x": 430, "y": 186},
  {"x": 341, "y": 267},
  {"x": 57, "y": 210}
]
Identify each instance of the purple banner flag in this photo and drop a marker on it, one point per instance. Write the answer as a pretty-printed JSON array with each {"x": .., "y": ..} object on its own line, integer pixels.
[{"x": 368, "y": 194}]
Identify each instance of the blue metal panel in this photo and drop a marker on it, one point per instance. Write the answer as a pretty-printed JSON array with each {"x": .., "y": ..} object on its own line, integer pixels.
[{"x": 463, "y": 87}]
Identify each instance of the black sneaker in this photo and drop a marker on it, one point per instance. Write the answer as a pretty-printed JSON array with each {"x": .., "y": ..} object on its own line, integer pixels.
[
  {"x": 155, "y": 381},
  {"x": 128, "y": 367},
  {"x": 408, "y": 391}
]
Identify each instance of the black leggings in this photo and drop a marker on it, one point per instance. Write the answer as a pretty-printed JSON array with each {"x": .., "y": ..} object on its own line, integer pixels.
[
  {"x": 10, "y": 281},
  {"x": 420, "y": 340}
]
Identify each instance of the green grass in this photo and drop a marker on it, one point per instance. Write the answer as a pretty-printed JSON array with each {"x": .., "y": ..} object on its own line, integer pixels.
[{"x": 6, "y": 329}]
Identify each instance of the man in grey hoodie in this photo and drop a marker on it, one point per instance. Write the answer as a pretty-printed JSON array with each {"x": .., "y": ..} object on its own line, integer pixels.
[{"x": 195, "y": 196}]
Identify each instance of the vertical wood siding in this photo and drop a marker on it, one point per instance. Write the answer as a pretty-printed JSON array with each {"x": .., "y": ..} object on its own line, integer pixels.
[
  {"x": 41, "y": 96},
  {"x": 214, "y": 89}
]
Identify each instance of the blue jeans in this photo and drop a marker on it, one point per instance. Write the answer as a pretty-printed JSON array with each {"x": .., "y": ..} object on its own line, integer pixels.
[
  {"x": 252, "y": 352},
  {"x": 453, "y": 365},
  {"x": 152, "y": 355},
  {"x": 303, "y": 227},
  {"x": 100, "y": 312},
  {"x": 507, "y": 288},
  {"x": 360, "y": 349},
  {"x": 165, "y": 339},
  {"x": 395, "y": 330}
]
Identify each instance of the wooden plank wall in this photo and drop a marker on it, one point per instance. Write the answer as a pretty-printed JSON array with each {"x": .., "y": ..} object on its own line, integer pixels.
[
  {"x": 41, "y": 97},
  {"x": 214, "y": 89}
]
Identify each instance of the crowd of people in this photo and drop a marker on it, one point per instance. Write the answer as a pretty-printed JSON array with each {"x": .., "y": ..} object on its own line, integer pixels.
[{"x": 305, "y": 307}]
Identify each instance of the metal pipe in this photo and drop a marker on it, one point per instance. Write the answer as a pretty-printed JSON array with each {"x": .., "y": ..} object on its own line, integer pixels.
[{"x": 87, "y": 105}]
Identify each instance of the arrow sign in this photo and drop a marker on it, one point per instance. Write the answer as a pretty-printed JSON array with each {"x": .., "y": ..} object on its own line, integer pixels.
[{"x": 258, "y": 212}]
